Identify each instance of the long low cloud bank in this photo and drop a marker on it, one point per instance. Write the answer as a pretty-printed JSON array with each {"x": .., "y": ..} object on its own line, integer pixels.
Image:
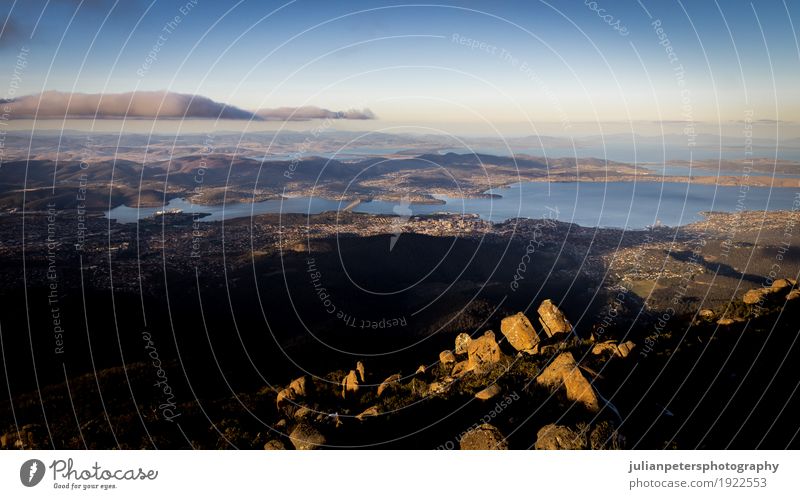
[
  {"x": 313, "y": 113},
  {"x": 158, "y": 104}
]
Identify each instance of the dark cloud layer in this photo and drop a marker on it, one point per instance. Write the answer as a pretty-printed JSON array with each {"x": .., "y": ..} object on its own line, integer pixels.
[
  {"x": 159, "y": 104},
  {"x": 131, "y": 104}
]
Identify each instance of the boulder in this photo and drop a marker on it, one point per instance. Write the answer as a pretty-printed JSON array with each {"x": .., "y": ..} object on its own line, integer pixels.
[
  {"x": 706, "y": 314},
  {"x": 488, "y": 392},
  {"x": 303, "y": 413},
  {"x": 519, "y": 332},
  {"x": 274, "y": 445},
  {"x": 553, "y": 319},
  {"x": 793, "y": 294},
  {"x": 484, "y": 437},
  {"x": 725, "y": 321},
  {"x": 388, "y": 383},
  {"x": 564, "y": 373},
  {"x": 420, "y": 369},
  {"x": 350, "y": 384},
  {"x": 296, "y": 390},
  {"x": 605, "y": 347},
  {"x": 755, "y": 296},
  {"x": 781, "y": 285},
  {"x": 624, "y": 349},
  {"x": 462, "y": 342},
  {"x": 611, "y": 347},
  {"x": 306, "y": 437},
  {"x": 360, "y": 370},
  {"x": 557, "y": 437},
  {"x": 370, "y": 412},
  {"x": 446, "y": 357},
  {"x": 483, "y": 351}
]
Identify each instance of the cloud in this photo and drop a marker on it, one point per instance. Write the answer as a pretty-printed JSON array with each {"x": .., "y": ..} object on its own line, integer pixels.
[
  {"x": 161, "y": 105},
  {"x": 306, "y": 113}
]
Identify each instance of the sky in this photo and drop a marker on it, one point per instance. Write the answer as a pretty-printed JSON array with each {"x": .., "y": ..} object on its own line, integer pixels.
[{"x": 478, "y": 66}]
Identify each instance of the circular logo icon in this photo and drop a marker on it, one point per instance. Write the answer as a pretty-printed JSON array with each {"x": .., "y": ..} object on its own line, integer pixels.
[{"x": 31, "y": 472}]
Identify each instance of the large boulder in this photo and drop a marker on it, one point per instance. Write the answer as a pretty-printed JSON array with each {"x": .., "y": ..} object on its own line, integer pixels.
[
  {"x": 306, "y": 437},
  {"x": 557, "y": 437},
  {"x": 484, "y": 437},
  {"x": 350, "y": 384},
  {"x": 563, "y": 373},
  {"x": 483, "y": 352},
  {"x": 519, "y": 332},
  {"x": 552, "y": 319}
]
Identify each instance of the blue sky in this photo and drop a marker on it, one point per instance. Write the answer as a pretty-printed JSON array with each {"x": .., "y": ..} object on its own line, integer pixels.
[{"x": 556, "y": 62}]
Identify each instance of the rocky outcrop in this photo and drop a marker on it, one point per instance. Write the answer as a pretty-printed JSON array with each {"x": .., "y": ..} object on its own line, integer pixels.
[
  {"x": 462, "y": 343},
  {"x": 361, "y": 371},
  {"x": 389, "y": 382},
  {"x": 557, "y": 437},
  {"x": 779, "y": 287},
  {"x": 296, "y": 390},
  {"x": 306, "y": 437},
  {"x": 350, "y": 384},
  {"x": 563, "y": 374},
  {"x": 484, "y": 437},
  {"x": 552, "y": 319},
  {"x": 519, "y": 332},
  {"x": 483, "y": 352}
]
